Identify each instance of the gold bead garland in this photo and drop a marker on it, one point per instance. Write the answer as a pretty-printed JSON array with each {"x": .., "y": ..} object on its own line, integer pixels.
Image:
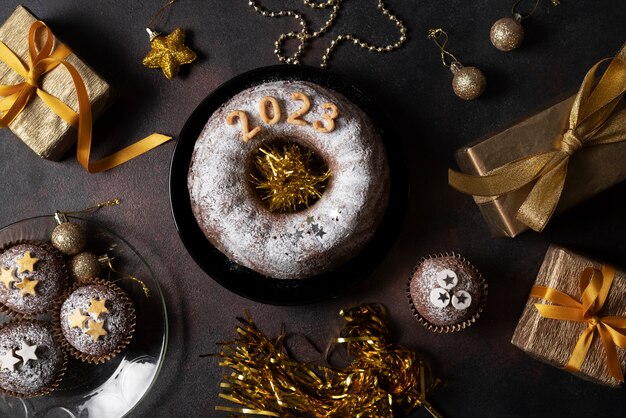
[{"x": 303, "y": 36}]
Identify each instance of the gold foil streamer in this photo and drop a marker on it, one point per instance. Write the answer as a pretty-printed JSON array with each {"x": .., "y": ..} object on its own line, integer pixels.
[
  {"x": 382, "y": 380},
  {"x": 288, "y": 177}
]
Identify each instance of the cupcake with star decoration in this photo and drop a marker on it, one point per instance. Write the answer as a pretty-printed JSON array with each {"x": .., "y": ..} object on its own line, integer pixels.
[
  {"x": 32, "y": 278},
  {"x": 32, "y": 362},
  {"x": 446, "y": 293},
  {"x": 96, "y": 321}
]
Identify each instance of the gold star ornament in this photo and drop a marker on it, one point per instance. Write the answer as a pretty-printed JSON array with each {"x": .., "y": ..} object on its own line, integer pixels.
[{"x": 168, "y": 52}]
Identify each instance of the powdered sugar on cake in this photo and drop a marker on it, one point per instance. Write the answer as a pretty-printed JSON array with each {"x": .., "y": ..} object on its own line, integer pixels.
[{"x": 289, "y": 245}]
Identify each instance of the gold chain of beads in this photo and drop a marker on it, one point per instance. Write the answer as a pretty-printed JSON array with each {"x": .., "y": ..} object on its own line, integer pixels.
[{"x": 303, "y": 36}]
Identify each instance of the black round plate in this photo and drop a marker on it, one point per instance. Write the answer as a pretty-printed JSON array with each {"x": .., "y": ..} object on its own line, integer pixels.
[{"x": 242, "y": 280}]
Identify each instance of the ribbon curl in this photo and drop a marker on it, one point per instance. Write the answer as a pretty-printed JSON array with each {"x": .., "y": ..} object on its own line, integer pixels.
[
  {"x": 593, "y": 120},
  {"x": 41, "y": 61},
  {"x": 594, "y": 289}
]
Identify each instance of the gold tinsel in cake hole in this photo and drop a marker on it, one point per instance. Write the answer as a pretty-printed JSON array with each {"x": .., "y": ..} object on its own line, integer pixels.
[
  {"x": 288, "y": 177},
  {"x": 383, "y": 379}
]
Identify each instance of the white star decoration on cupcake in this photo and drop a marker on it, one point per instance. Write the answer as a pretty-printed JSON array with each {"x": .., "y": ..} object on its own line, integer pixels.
[
  {"x": 8, "y": 361},
  {"x": 27, "y": 352},
  {"x": 440, "y": 296}
]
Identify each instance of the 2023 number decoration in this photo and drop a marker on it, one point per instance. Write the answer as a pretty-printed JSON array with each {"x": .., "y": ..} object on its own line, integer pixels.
[{"x": 331, "y": 112}]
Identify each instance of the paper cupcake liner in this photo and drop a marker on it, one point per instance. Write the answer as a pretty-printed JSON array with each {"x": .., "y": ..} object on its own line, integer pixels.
[
  {"x": 453, "y": 327},
  {"x": 60, "y": 375},
  {"x": 16, "y": 314},
  {"x": 85, "y": 357}
]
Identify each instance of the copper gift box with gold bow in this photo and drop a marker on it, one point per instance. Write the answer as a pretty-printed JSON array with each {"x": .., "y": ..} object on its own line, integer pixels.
[
  {"x": 551, "y": 161},
  {"x": 37, "y": 124},
  {"x": 575, "y": 317}
]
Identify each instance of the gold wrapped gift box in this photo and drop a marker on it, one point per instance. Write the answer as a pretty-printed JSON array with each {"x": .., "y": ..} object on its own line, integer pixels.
[
  {"x": 553, "y": 341},
  {"x": 37, "y": 125},
  {"x": 591, "y": 170}
]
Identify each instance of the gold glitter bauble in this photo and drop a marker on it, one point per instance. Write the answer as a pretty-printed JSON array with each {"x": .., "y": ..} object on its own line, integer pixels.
[
  {"x": 468, "y": 82},
  {"x": 289, "y": 177},
  {"x": 69, "y": 238},
  {"x": 84, "y": 266},
  {"x": 507, "y": 34}
]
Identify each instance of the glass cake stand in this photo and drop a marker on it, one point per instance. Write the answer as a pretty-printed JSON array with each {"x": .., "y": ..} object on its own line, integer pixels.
[{"x": 114, "y": 388}]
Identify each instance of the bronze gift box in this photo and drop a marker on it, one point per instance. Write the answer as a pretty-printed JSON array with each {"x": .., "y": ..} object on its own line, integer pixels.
[
  {"x": 37, "y": 125},
  {"x": 590, "y": 170},
  {"x": 557, "y": 341}
]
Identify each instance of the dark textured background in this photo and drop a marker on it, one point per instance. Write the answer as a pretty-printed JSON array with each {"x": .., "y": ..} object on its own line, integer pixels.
[{"x": 485, "y": 374}]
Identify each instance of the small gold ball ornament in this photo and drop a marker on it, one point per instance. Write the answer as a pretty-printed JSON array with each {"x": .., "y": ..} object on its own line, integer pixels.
[
  {"x": 507, "y": 33},
  {"x": 69, "y": 238},
  {"x": 468, "y": 82},
  {"x": 84, "y": 266}
]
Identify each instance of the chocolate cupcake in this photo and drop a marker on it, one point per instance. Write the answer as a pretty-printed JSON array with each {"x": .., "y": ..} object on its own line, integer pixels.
[
  {"x": 32, "y": 362},
  {"x": 446, "y": 292},
  {"x": 96, "y": 320},
  {"x": 32, "y": 278}
]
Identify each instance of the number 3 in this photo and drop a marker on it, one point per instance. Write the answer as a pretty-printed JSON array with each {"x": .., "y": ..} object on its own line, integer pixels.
[
  {"x": 318, "y": 125},
  {"x": 246, "y": 133}
]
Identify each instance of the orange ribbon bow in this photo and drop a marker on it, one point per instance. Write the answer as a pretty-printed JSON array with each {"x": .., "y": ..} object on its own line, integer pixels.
[
  {"x": 594, "y": 288},
  {"x": 41, "y": 61}
]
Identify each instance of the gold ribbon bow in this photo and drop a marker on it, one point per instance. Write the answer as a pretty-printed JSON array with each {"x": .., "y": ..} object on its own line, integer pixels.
[
  {"x": 594, "y": 288},
  {"x": 592, "y": 121},
  {"x": 40, "y": 61}
]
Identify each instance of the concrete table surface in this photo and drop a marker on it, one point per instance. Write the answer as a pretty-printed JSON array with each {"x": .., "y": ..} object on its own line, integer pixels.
[{"x": 485, "y": 374}]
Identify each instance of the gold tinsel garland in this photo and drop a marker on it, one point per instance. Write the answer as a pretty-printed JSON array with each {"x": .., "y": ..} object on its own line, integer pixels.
[
  {"x": 382, "y": 380},
  {"x": 288, "y": 177}
]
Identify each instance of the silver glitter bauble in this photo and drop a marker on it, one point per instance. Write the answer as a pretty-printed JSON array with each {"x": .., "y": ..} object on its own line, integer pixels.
[
  {"x": 69, "y": 238},
  {"x": 507, "y": 34},
  {"x": 84, "y": 266},
  {"x": 468, "y": 82}
]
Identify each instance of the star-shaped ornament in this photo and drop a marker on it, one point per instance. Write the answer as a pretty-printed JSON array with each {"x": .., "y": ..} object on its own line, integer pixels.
[
  {"x": 168, "y": 52},
  {"x": 8, "y": 361},
  {"x": 27, "y": 286},
  {"x": 76, "y": 319},
  {"x": 320, "y": 232},
  {"x": 27, "y": 352},
  {"x": 97, "y": 307},
  {"x": 26, "y": 263},
  {"x": 7, "y": 276},
  {"x": 95, "y": 329}
]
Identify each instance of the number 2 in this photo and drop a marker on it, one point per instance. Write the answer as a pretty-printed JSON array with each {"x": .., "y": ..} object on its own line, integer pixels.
[
  {"x": 294, "y": 118},
  {"x": 246, "y": 133}
]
